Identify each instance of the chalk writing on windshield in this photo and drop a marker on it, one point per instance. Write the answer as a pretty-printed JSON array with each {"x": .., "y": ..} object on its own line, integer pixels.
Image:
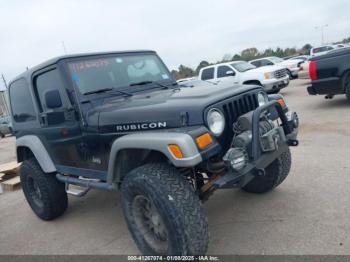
[{"x": 86, "y": 65}]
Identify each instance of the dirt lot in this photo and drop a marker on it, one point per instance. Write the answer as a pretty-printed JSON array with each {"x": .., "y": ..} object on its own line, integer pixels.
[{"x": 308, "y": 214}]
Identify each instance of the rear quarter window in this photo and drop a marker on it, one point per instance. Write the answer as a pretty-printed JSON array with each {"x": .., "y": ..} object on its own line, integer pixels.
[
  {"x": 207, "y": 73},
  {"x": 22, "y": 106}
]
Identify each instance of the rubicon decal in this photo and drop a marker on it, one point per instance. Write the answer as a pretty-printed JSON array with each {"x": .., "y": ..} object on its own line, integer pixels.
[{"x": 141, "y": 126}]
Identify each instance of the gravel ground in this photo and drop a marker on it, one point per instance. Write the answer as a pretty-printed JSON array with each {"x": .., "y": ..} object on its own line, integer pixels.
[{"x": 308, "y": 214}]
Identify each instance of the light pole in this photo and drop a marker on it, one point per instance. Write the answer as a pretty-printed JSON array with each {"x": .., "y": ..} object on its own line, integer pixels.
[{"x": 322, "y": 27}]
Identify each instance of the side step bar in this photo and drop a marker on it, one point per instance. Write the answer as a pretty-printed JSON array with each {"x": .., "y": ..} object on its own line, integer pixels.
[{"x": 85, "y": 183}]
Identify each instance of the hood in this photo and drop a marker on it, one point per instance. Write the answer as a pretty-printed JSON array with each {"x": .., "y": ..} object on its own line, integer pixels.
[
  {"x": 291, "y": 63},
  {"x": 154, "y": 109},
  {"x": 266, "y": 69}
]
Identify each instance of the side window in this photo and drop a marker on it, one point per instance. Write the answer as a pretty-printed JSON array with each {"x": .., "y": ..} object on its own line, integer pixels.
[
  {"x": 21, "y": 103},
  {"x": 222, "y": 71},
  {"x": 208, "y": 73},
  {"x": 256, "y": 63},
  {"x": 265, "y": 62},
  {"x": 45, "y": 82}
]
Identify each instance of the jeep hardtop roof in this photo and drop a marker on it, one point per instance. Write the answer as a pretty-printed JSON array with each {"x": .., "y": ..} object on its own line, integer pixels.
[{"x": 52, "y": 61}]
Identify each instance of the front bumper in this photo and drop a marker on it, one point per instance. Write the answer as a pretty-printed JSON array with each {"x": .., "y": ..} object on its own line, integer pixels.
[
  {"x": 294, "y": 71},
  {"x": 275, "y": 84},
  {"x": 258, "y": 159}
]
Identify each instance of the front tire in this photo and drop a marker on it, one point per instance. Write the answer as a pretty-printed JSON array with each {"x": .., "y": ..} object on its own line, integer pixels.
[
  {"x": 163, "y": 213},
  {"x": 274, "y": 175},
  {"x": 45, "y": 194}
]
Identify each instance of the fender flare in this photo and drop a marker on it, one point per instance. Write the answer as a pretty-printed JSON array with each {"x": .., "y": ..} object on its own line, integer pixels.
[
  {"x": 36, "y": 146},
  {"x": 155, "y": 141}
]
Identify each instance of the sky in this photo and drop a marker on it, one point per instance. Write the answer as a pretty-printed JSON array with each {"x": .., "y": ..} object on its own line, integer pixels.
[{"x": 182, "y": 32}]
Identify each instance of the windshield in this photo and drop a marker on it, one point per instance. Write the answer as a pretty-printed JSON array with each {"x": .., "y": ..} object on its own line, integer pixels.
[
  {"x": 242, "y": 66},
  {"x": 117, "y": 72},
  {"x": 275, "y": 59}
]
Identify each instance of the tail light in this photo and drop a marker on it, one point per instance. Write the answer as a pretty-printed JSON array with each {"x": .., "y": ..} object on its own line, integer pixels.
[{"x": 313, "y": 70}]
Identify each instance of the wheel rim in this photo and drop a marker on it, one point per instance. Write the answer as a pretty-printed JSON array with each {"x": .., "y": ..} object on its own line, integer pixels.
[
  {"x": 150, "y": 224},
  {"x": 35, "y": 192}
]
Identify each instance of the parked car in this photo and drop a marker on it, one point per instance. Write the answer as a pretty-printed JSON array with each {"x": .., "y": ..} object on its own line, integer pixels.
[
  {"x": 304, "y": 70},
  {"x": 272, "y": 78},
  {"x": 321, "y": 50},
  {"x": 330, "y": 74},
  {"x": 299, "y": 57},
  {"x": 5, "y": 126},
  {"x": 293, "y": 65},
  {"x": 129, "y": 126}
]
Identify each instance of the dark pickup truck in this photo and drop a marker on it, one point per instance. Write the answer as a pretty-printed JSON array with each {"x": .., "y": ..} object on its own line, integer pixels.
[{"x": 330, "y": 74}]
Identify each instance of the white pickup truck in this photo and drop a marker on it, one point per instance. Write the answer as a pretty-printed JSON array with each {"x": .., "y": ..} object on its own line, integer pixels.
[
  {"x": 271, "y": 78},
  {"x": 292, "y": 65}
]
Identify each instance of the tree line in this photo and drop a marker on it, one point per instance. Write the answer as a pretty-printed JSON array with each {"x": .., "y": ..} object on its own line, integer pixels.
[{"x": 246, "y": 55}]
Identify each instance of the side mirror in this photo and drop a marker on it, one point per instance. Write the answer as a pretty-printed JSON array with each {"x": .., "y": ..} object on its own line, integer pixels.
[
  {"x": 230, "y": 73},
  {"x": 53, "y": 99}
]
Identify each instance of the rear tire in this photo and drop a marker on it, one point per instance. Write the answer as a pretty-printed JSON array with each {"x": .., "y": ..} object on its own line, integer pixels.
[
  {"x": 158, "y": 200},
  {"x": 275, "y": 174},
  {"x": 45, "y": 194}
]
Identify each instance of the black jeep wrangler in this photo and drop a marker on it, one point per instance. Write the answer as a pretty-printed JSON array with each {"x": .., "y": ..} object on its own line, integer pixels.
[{"x": 119, "y": 121}]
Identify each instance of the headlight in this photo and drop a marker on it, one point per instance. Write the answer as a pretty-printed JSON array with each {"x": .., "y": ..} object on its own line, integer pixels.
[
  {"x": 268, "y": 75},
  {"x": 216, "y": 121},
  {"x": 262, "y": 98}
]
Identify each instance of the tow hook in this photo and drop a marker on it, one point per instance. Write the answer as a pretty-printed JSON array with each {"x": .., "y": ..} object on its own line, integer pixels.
[
  {"x": 293, "y": 142},
  {"x": 260, "y": 172}
]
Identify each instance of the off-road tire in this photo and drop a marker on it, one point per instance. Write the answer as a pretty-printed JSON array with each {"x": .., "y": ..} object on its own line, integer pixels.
[
  {"x": 53, "y": 197},
  {"x": 274, "y": 175},
  {"x": 177, "y": 204},
  {"x": 347, "y": 87}
]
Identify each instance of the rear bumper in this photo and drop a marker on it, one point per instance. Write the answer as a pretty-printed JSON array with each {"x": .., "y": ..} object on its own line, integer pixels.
[{"x": 327, "y": 86}]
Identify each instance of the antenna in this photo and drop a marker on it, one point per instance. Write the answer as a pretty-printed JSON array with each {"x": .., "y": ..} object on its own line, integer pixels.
[
  {"x": 64, "y": 48},
  {"x": 3, "y": 79}
]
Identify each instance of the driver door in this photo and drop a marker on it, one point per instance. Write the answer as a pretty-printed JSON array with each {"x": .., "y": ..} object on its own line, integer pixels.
[
  {"x": 227, "y": 75},
  {"x": 60, "y": 131}
]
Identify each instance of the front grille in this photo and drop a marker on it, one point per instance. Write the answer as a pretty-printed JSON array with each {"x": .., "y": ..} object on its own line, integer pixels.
[
  {"x": 280, "y": 73},
  {"x": 237, "y": 107},
  {"x": 233, "y": 108}
]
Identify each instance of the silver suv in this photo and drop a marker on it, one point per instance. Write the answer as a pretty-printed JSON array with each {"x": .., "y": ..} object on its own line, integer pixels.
[{"x": 5, "y": 126}]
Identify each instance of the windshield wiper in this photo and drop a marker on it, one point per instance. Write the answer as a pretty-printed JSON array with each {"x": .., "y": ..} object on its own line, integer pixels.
[
  {"x": 152, "y": 82},
  {"x": 122, "y": 92},
  {"x": 98, "y": 91},
  {"x": 103, "y": 90},
  {"x": 141, "y": 83}
]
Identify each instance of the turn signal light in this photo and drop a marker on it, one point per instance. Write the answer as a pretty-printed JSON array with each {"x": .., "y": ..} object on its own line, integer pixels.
[
  {"x": 176, "y": 151},
  {"x": 204, "y": 140}
]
